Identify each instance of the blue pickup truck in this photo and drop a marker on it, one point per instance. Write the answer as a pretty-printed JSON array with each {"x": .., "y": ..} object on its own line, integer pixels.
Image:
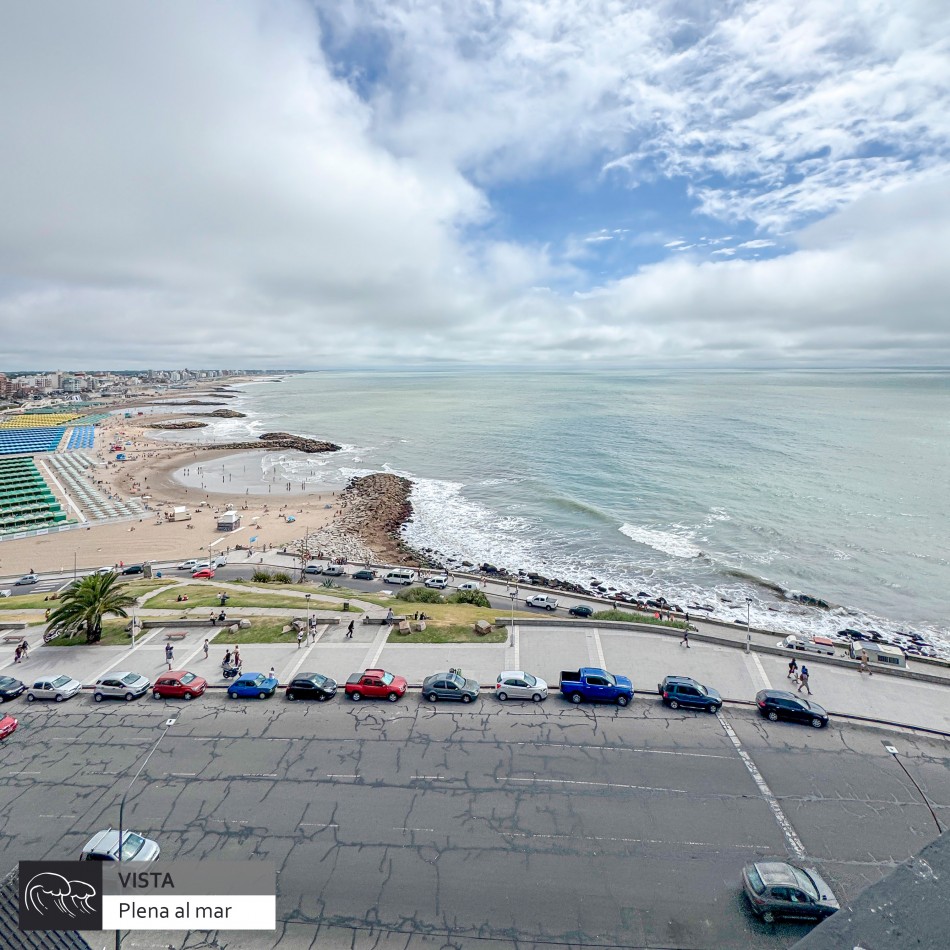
[{"x": 596, "y": 686}]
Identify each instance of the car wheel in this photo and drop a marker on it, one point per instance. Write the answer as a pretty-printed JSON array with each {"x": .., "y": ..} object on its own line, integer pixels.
[
  {"x": 537, "y": 698},
  {"x": 98, "y": 697},
  {"x": 466, "y": 698},
  {"x": 156, "y": 694},
  {"x": 30, "y": 698},
  {"x": 232, "y": 695},
  {"x": 189, "y": 696},
  {"x": 321, "y": 697},
  {"x": 576, "y": 698},
  {"x": 713, "y": 708},
  {"x": 356, "y": 697},
  {"x": 432, "y": 697},
  {"x": 262, "y": 695},
  {"x": 817, "y": 723},
  {"x": 59, "y": 697},
  {"x": 392, "y": 697},
  {"x": 502, "y": 697},
  {"x": 674, "y": 704},
  {"x": 550, "y": 607},
  {"x": 291, "y": 696},
  {"x": 129, "y": 697},
  {"x": 768, "y": 917},
  {"x": 773, "y": 715},
  {"x": 623, "y": 700}
]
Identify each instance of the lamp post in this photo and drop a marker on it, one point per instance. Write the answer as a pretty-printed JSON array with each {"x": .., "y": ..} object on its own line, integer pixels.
[
  {"x": 748, "y": 624},
  {"x": 513, "y": 594},
  {"x": 309, "y": 628},
  {"x": 168, "y": 724},
  {"x": 74, "y": 564}
]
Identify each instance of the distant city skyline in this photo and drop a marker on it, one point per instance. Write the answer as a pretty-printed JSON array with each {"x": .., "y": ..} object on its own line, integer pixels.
[{"x": 390, "y": 184}]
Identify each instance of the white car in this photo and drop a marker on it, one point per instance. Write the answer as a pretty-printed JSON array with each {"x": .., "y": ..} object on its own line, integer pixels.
[
  {"x": 817, "y": 645},
  {"x": 127, "y": 686},
  {"x": 438, "y": 583},
  {"x": 4, "y": 593},
  {"x": 334, "y": 570},
  {"x": 26, "y": 579},
  {"x": 57, "y": 688},
  {"x": 516, "y": 684},
  {"x": 190, "y": 565},
  {"x": 542, "y": 600},
  {"x": 470, "y": 585},
  {"x": 104, "y": 846}
]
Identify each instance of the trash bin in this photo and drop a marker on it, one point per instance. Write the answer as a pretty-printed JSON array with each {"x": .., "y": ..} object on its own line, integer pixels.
[{"x": 346, "y": 605}]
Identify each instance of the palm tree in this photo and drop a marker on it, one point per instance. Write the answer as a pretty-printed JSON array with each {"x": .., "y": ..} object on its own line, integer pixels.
[{"x": 85, "y": 602}]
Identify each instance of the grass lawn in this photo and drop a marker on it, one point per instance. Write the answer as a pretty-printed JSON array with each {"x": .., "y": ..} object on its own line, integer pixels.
[
  {"x": 113, "y": 634},
  {"x": 261, "y": 630},
  {"x": 27, "y": 602},
  {"x": 448, "y": 633},
  {"x": 627, "y": 617},
  {"x": 200, "y": 595}
]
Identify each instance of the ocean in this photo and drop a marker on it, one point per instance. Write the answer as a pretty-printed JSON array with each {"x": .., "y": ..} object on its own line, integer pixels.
[{"x": 725, "y": 489}]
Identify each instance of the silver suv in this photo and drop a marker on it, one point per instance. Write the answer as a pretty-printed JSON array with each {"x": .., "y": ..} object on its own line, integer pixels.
[
  {"x": 127, "y": 686},
  {"x": 104, "y": 846}
]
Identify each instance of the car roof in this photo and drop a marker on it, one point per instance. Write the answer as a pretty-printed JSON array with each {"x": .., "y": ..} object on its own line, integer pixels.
[
  {"x": 512, "y": 673},
  {"x": 776, "y": 872},
  {"x": 683, "y": 679},
  {"x": 107, "y": 841},
  {"x": 776, "y": 694}
]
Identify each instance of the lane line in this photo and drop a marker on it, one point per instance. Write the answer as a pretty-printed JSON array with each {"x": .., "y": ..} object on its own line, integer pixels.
[
  {"x": 601, "y": 662},
  {"x": 608, "y": 748},
  {"x": 315, "y": 824},
  {"x": 562, "y": 781},
  {"x": 757, "y": 671},
  {"x": 141, "y": 641},
  {"x": 379, "y": 643},
  {"x": 306, "y": 653},
  {"x": 794, "y": 842}
]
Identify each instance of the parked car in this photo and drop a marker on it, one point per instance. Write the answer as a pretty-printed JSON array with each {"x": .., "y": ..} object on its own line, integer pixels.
[
  {"x": 313, "y": 569},
  {"x": 335, "y": 570},
  {"x": 581, "y": 610},
  {"x": 134, "y": 569},
  {"x": 679, "y": 691},
  {"x": 516, "y": 684},
  {"x": 449, "y": 686},
  {"x": 26, "y": 579},
  {"x": 179, "y": 684},
  {"x": 127, "y": 686},
  {"x": 311, "y": 686},
  {"x": 10, "y": 688},
  {"x": 596, "y": 686},
  {"x": 7, "y": 726},
  {"x": 437, "y": 583},
  {"x": 56, "y": 688},
  {"x": 4, "y": 592},
  {"x": 364, "y": 574},
  {"x": 205, "y": 573},
  {"x": 104, "y": 846},
  {"x": 252, "y": 686},
  {"x": 804, "y": 644},
  {"x": 470, "y": 585},
  {"x": 375, "y": 684},
  {"x": 776, "y": 889},
  {"x": 542, "y": 600},
  {"x": 190, "y": 565},
  {"x": 778, "y": 704}
]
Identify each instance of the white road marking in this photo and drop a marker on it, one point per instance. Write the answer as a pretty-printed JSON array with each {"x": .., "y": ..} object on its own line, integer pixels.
[
  {"x": 794, "y": 842},
  {"x": 601, "y": 662},
  {"x": 141, "y": 641},
  {"x": 332, "y": 775},
  {"x": 314, "y": 824},
  {"x": 757, "y": 671},
  {"x": 561, "y": 781},
  {"x": 58, "y": 816},
  {"x": 306, "y": 653},
  {"x": 429, "y": 778},
  {"x": 374, "y": 652},
  {"x": 413, "y": 830},
  {"x": 608, "y": 748},
  {"x": 257, "y": 775},
  {"x": 183, "y": 774},
  {"x": 22, "y": 772}
]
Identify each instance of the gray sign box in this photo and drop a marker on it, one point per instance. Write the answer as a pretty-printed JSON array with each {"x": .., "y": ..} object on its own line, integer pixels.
[{"x": 181, "y": 878}]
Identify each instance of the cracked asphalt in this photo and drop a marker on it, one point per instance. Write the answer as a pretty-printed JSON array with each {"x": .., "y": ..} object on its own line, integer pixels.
[{"x": 493, "y": 825}]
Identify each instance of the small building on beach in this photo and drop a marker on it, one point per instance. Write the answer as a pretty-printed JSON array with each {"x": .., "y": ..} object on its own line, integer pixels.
[{"x": 229, "y": 521}]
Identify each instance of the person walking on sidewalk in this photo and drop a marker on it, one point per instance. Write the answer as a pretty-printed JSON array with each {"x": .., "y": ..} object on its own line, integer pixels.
[
  {"x": 349, "y": 631},
  {"x": 685, "y": 641},
  {"x": 863, "y": 666},
  {"x": 205, "y": 647},
  {"x": 792, "y": 671},
  {"x": 169, "y": 654},
  {"x": 299, "y": 638},
  {"x": 803, "y": 680}
]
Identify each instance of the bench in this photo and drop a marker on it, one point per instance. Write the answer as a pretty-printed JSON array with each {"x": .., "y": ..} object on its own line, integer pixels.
[
  {"x": 13, "y": 638},
  {"x": 179, "y": 635}
]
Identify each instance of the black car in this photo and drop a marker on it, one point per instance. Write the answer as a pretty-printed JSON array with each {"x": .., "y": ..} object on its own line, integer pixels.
[
  {"x": 311, "y": 686},
  {"x": 134, "y": 569},
  {"x": 778, "y": 704},
  {"x": 679, "y": 691},
  {"x": 364, "y": 575},
  {"x": 10, "y": 688},
  {"x": 581, "y": 610},
  {"x": 776, "y": 889}
]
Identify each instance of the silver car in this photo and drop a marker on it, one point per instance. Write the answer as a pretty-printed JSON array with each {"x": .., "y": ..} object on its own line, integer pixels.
[
  {"x": 516, "y": 684},
  {"x": 54, "y": 687},
  {"x": 127, "y": 686},
  {"x": 104, "y": 846}
]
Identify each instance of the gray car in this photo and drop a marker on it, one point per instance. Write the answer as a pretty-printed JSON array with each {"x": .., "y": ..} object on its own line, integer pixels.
[
  {"x": 449, "y": 686},
  {"x": 57, "y": 688},
  {"x": 104, "y": 846},
  {"x": 127, "y": 686},
  {"x": 776, "y": 889},
  {"x": 516, "y": 684}
]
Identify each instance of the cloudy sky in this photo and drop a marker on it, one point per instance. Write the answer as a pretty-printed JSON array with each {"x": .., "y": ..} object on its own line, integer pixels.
[{"x": 402, "y": 182}]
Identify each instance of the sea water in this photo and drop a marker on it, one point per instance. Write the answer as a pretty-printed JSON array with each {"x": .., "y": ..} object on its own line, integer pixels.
[{"x": 723, "y": 489}]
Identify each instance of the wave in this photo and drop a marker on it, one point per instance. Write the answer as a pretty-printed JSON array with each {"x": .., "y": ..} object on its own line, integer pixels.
[{"x": 678, "y": 541}]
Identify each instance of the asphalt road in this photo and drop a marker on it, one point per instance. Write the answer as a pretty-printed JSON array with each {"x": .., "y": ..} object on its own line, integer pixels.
[{"x": 411, "y": 825}]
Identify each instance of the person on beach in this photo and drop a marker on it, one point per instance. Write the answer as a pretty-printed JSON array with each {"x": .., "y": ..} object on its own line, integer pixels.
[
  {"x": 803, "y": 680},
  {"x": 685, "y": 641},
  {"x": 792, "y": 671},
  {"x": 349, "y": 631}
]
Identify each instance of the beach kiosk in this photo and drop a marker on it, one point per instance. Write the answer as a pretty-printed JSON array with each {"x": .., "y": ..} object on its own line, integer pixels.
[
  {"x": 178, "y": 513},
  {"x": 229, "y": 521},
  {"x": 881, "y": 653}
]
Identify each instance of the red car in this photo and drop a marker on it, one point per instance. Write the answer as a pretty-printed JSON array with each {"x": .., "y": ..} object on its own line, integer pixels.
[
  {"x": 375, "y": 684},
  {"x": 179, "y": 684},
  {"x": 205, "y": 572},
  {"x": 7, "y": 726}
]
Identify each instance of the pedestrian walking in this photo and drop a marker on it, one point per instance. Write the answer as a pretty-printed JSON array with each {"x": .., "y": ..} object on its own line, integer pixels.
[
  {"x": 685, "y": 641},
  {"x": 169, "y": 654},
  {"x": 16, "y": 654},
  {"x": 863, "y": 666},
  {"x": 299, "y": 639},
  {"x": 227, "y": 658},
  {"x": 389, "y": 616},
  {"x": 24, "y": 650},
  {"x": 349, "y": 631},
  {"x": 803, "y": 680},
  {"x": 237, "y": 656},
  {"x": 206, "y": 645},
  {"x": 273, "y": 673},
  {"x": 792, "y": 671}
]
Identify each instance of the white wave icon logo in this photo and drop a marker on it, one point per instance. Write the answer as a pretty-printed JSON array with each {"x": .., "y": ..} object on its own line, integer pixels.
[
  {"x": 48, "y": 890},
  {"x": 677, "y": 542}
]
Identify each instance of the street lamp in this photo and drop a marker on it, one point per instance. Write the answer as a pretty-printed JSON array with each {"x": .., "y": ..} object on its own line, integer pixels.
[
  {"x": 748, "y": 622},
  {"x": 168, "y": 724},
  {"x": 513, "y": 594},
  {"x": 309, "y": 628}
]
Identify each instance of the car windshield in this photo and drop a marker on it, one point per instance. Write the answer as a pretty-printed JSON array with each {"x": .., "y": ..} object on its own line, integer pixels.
[
  {"x": 455, "y": 679},
  {"x": 387, "y": 678},
  {"x": 258, "y": 679},
  {"x": 317, "y": 679},
  {"x": 5, "y": 681},
  {"x": 188, "y": 678},
  {"x": 530, "y": 680},
  {"x": 60, "y": 681},
  {"x": 611, "y": 679},
  {"x": 130, "y": 678},
  {"x": 131, "y": 846},
  {"x": 702, "y": 689},
  {"x": 755, "y": 880},
  {"x": 805, "y": 883}
]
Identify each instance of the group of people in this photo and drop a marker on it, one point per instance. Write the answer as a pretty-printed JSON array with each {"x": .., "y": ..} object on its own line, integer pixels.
[
  {"x": 221, "y": 617},
  {"x": 22, "y": 652},
  {"x": 800, "y": 676}
]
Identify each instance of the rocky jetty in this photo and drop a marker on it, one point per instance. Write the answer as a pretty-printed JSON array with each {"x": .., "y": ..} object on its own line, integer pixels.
[
  {"x": 194, "y": 402},
  {"x": 187, "y": 424},
  {"x": 274, "y": 440},
  {"x": 224, "y": 414}
]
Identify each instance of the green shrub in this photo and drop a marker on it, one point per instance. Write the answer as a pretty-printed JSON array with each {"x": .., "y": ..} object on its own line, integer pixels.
[
  {"x": 625, "y": 617},
  {"x": 281, "y": 577},
  {"x": 420, "y": 595},
  {"x": 474, "y": 597},
  {"x": 261, "y": 576}
]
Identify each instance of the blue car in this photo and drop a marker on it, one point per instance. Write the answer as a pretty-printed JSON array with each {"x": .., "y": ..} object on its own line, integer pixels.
[{"x": 253, "y": 686}]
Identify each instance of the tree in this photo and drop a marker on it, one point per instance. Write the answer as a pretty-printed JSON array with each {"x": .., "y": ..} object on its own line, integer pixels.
[{"x": 84, "y": 604}]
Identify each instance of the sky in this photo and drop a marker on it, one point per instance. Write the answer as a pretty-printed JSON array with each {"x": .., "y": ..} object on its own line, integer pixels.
[{"x": 345, "y": 183}]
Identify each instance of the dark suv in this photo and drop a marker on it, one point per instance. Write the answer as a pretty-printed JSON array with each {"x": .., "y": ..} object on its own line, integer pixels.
[
  {"x": 682, "y": 691},
  {"x": 778, "y": 704}
]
